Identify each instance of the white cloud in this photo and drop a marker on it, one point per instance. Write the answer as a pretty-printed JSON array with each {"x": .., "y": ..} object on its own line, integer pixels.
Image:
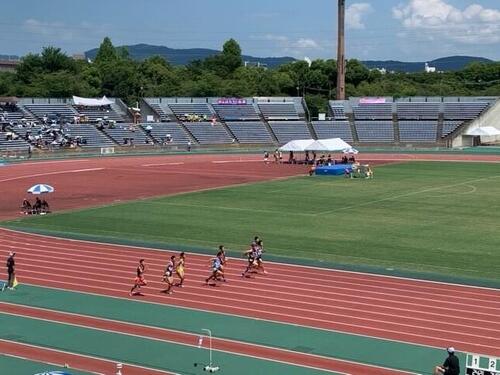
[
  {"x": 294, "y": 47},
  {"x": 437, "y": 19},
  {"x": 355, "y": 13}
]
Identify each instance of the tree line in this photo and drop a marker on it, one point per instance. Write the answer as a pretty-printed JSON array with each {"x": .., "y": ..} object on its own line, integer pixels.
[{"x": 113, "y": 73}]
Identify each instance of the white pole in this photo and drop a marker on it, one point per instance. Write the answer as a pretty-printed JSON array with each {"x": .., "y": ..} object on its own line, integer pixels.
[{"x": 210, "y": 343}]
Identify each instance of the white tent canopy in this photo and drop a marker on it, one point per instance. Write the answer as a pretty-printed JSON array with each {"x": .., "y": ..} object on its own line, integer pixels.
[
  {"x": 330, "y": 144},
  {"x": 297, "y": 145},
  {"x": 90, "y": 102},
  {"x": 485, "y": 131}
]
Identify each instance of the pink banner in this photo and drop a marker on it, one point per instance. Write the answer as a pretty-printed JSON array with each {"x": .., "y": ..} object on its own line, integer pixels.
[{"x": 371, "y": 100}]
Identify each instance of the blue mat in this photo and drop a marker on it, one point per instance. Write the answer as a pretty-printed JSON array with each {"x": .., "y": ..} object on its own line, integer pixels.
[{"x": 333, "y": 170}]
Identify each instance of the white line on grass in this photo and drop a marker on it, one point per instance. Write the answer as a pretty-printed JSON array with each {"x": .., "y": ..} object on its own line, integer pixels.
[{"x": 436, "y": 188}]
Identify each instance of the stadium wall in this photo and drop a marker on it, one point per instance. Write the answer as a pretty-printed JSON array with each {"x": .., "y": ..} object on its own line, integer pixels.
[{"x": 489, "y": 118}]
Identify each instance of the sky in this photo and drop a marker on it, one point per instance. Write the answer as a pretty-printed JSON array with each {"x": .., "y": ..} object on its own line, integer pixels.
[{"x": 407, "y": 30}]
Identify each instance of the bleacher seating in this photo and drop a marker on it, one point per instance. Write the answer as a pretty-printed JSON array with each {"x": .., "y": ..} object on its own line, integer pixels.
[
  {"x": 18, "y": 144},
  {"x": 375, "y": 131},
  {"x": 333, "y": 129},
  {"x": 14, "y": 114},
  {"x": 90, "y": 135},
  {"x": 279, "y": 111},
  {"x": 417, "y": 131},
  {"x": 236, "y": 112},
  {"x": 35, "y": 131},
  {"x": 198, "y": 109},
  {"x": 417, "y": 111},
  {"x": 338, "y": 111},
  {"x": 40, "y": 110},
  {"x": 93, "y": 114},
  {"x": 128, "y": 131},
  {"x": 379, "y": 111},
  {"x": 207, "y": 133},
  {"x": 250, "y": 132},
  {"x": 287, "y": 131},
  {"x": 160, "y": 111},
  {"x": 159, "y": 131},
  {"x": 449, "y": 126},
  {"x": 463, "y": 110}
]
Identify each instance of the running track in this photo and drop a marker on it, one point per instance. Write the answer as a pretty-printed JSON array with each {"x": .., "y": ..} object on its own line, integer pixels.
[{"x": 426, "y": 313}]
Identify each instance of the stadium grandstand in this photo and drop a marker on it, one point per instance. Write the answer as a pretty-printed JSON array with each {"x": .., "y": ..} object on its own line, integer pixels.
[{"x": 48, "y": 123}]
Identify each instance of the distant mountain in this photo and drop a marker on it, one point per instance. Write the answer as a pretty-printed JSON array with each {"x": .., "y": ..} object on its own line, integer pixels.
[
  {"x": 185, "y": 56},
  {"x": 444, "y": 64}
]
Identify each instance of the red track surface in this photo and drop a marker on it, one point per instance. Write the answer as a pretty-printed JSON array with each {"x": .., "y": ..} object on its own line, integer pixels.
[{"x": 406, "y": 310}]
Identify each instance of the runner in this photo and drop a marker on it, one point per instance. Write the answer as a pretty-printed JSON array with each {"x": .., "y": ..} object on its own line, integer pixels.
[
  {"x": 251, "y": 255},
  {"x": 168, "y": 276},
  {"x": 216, "y": 270},
  {"x": 179, "y": 270},
  {"x": 259, "y": 249},
  {"x": 139, "y": 280}
]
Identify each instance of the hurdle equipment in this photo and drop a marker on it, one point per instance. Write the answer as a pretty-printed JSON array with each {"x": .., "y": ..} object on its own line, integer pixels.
[{"x": 210, "y": 367}]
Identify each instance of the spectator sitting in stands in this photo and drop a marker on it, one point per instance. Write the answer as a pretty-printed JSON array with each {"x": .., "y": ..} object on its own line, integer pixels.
[
  {"x": 26, "y": 206},
  {"x": 149, "y": 128}
]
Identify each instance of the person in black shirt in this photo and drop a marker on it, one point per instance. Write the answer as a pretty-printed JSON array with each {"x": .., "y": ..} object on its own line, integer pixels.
[
  {"x": 451, "y": 365},
  {"x": 11, "y": 270}
]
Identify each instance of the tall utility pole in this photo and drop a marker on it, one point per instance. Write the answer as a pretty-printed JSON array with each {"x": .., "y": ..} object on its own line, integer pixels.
[{"x": 341, "y": 52}]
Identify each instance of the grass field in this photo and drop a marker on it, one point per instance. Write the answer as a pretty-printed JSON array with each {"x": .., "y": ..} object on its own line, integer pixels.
[{"x": 421, "y": 216}]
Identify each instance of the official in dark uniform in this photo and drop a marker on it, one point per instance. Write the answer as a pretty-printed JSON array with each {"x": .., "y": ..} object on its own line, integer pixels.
[
  {"x": 451, "y": 365},
  {"x": 11, "y": 270}
]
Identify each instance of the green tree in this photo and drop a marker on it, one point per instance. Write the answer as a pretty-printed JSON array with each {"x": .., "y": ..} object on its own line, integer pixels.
[{"x": 106, "y": 53}]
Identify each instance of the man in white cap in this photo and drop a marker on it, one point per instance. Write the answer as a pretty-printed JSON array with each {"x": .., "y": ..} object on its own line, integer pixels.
[
  {"x": 451, "y": 366},
  {"x": 11, "y": 270}
]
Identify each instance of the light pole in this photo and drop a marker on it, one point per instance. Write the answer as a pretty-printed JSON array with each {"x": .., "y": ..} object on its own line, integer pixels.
[{"x": 341, "y": 51}]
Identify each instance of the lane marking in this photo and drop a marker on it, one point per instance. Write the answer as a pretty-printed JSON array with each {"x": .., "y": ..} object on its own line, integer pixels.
[
  {"x": 161, "y": 164},
  {"x": 102, "y": 359},
  {"x": 236, "y": 161},
  {"x": 168, "y": 341},
  {"x": 51, "y": 173},
  {"x": 436, "y": 188},
  {"x": 46, "y": 362},
  {"x": 285, "y": 265},
  {"x": 440, "y": 347}
]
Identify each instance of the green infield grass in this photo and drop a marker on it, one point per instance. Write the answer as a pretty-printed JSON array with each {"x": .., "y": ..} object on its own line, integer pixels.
[{"x": 441, "y": 218}]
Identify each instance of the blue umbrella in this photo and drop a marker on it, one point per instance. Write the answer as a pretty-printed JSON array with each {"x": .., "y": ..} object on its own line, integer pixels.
[{"x": 40, "y": 189}]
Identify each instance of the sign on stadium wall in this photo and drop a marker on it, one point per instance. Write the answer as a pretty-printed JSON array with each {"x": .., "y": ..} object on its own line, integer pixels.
[{"x": 231, "y": 101}]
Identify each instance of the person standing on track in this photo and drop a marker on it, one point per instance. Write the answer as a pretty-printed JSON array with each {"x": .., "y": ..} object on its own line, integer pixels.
[
  {"x": 451, "y": 365},
  {"x": 139, "y": 280},
  {"x": 11, "y": 271},
  {"x": 179, "y": 269},
  {"x": 168, "y": 276}
]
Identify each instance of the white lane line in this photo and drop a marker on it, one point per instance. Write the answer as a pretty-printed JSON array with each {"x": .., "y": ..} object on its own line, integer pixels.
[
  {"x": 51, "y": 173},
  {"x": 81, "y": 355},
  {"x": 204, "y": 310},
  {"x": 236, "y": 161},
  {"x": 421, "y": 282},
  {"x": 114, "y": 331},
  {"x": 46, "y": 362},
  {"x": 161, "y": 164}
]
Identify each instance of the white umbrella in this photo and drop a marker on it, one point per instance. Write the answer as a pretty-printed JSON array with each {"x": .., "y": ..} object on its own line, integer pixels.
[{"x": 40, "y": 189}]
